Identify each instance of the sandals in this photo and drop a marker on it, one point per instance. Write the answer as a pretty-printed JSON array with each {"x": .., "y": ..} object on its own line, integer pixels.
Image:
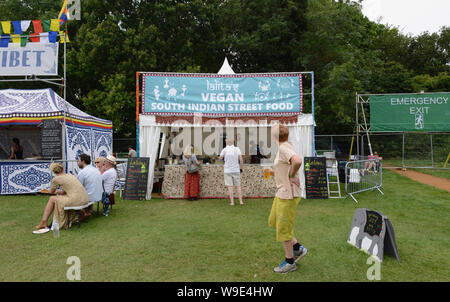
[{"x": 42, "y": 230}]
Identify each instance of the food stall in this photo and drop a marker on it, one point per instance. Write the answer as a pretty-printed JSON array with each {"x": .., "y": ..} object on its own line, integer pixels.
[
  {"x": 49, "y": 129},
  {"x": 178, "y": 110}
]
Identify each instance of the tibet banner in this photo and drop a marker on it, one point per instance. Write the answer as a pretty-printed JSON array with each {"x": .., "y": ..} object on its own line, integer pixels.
[
  {"x": 410, "y": 112},
  {"x": 33, "y": 59},
  {"x": 222, "y": 95}
]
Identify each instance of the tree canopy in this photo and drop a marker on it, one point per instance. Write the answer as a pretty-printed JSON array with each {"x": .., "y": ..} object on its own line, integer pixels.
[{"x": 347, "y": 52}]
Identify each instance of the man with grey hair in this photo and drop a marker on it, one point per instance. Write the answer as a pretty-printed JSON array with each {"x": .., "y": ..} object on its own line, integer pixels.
[
  {"x": 232, "y": 169},
  {"x": 109, "y": 178}
]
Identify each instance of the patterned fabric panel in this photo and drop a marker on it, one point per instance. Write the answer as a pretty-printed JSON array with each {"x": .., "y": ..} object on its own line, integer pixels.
[
  {"x": 19, "y": 177},
  {"x": 78, "y": 141},
  {"x": 102, "y": 143}
]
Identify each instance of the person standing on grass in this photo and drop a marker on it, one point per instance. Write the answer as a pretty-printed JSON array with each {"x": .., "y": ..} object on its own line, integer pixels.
[
  {"x": 284, "y": 207},
  {"x": 232, "y": 169},
  {"x": 192, "y": 176}
]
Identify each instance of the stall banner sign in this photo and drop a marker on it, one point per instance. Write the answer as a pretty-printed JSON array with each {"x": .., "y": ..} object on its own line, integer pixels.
[
  {"x": 222, "y": 95},
  {"x": 38, "y": 59}
]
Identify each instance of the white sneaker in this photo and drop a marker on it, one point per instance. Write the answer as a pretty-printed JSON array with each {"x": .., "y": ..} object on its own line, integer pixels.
[{"x": 285, "y": 268}]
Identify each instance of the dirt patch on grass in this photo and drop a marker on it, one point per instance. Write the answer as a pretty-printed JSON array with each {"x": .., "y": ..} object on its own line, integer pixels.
[{"x": 437, "y": 182}]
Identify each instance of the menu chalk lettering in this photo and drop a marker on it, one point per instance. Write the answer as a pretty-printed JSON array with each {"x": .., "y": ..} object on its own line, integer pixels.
[
  {"x": 137, "y": 178},
  {"x": 51, "y": 139},
  {"x": 316, "y": 178}
]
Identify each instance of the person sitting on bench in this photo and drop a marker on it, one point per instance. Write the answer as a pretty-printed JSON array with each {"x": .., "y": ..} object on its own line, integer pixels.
[
  {"x": 71, "y": 194},
  {"x": 373, "y": 165},
  {"x": 109, "y": 180},
  {"x": 91, "y": 179}
]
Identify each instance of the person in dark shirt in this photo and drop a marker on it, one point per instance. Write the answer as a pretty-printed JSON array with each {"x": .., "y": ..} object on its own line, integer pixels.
[
  {"x": 255, "y": 153},
  {"x": 16, "y": 149}
]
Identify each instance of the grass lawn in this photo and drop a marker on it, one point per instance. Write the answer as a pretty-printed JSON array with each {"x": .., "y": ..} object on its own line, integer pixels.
[{"x": 208, "y": 240}]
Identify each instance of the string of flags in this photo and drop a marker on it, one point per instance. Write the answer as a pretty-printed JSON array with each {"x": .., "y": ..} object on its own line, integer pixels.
[{"x": 44, "y": 31}]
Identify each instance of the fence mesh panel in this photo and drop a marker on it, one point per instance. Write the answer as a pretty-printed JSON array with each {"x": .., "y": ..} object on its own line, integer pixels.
[{"x": 414, "y": 150}]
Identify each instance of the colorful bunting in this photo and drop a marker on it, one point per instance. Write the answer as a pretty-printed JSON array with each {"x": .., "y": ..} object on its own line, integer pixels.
[
  {"x": 52, "y": 36},
  {"x": 4, "y": 41},
  {"x": 25, "y": 24},
  {"x": 44, "y": 37},
  {"x": 46, "y": 25},
  {"x": 46, "y": 31},
  {"x": 23, "y": 41},
  {"x": 17, "y": 27},
  {"x": 61, "y": 37},
  {"x": 15, "y": 38},
  {"x": 6, "y": 26},
  {"x": 54, "y": 25},
  {"x": 37, "y": 25},
  {"x": 35, "y": 38}
]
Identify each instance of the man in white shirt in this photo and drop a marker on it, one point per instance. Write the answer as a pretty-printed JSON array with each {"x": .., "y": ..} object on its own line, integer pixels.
[
  {"x": 91, "y": 179},
  {"x": 232, "y": 169},
  {"x": 109, "y": 180}
]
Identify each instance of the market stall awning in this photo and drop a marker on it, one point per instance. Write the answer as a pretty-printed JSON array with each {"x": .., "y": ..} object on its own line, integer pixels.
[{"x": 30, "y": 107}]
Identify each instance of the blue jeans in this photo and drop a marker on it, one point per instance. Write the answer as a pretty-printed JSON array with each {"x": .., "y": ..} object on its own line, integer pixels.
[{"x": 105, "y": 201}]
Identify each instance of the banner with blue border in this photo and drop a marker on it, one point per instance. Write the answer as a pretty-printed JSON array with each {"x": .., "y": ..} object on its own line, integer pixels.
[{"x": 222, "y": 95}]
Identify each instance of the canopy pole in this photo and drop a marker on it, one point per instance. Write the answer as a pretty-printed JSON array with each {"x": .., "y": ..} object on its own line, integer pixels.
[
  {"x": 137, "y": 113},
  {"x": 64, "y": 149},
  {"x": 312, "y": 112}
]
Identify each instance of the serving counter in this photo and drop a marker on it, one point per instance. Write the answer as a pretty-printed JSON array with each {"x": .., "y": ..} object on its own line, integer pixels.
[{"x": 212, "y": 184}]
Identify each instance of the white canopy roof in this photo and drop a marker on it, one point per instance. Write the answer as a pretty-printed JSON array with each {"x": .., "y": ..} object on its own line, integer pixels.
[{"x": 226, "y": 68}]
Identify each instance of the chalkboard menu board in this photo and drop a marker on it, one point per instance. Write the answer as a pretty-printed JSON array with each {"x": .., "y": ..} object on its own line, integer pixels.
[
  {"x": 373, "y": 233},
  {"x": 51, "y": 139},
  {"x": 316, "y": 178},
  {"x": 137, "y": 178},
  {"x": 374, "y": 223}
]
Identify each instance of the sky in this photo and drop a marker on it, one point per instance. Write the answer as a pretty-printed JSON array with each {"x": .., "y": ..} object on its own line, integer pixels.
[{"x": 410, "y": 16}]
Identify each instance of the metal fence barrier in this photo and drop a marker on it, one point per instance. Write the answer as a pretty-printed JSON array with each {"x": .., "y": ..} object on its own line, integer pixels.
[{"x": 363, "y": 175}]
